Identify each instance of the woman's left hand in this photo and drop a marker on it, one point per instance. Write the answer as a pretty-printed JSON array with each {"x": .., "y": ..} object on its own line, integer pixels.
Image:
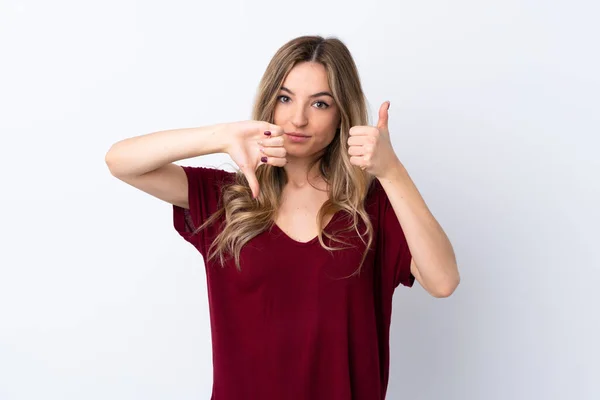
[{"x": 371, "y": 147}]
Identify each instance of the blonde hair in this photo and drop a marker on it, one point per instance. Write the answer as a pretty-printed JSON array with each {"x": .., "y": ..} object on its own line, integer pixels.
[{"x": 246, "y": 217}]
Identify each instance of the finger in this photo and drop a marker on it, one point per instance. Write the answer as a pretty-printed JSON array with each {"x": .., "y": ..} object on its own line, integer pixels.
[
  {"x": 273, "y": 151},
  {"x": 383, "y": 115},
  {"x": 272, "y": 142},
  {"x": 361, "y": 131},
  {"x": 252, "y": 181},
  {"x": 359, "y": 161},
  {"x": 357, "y": 140},
  {"x": 275, "y": 130},
  {"x": 356, "y": 150},
  {"x": 275, "y": 161}
]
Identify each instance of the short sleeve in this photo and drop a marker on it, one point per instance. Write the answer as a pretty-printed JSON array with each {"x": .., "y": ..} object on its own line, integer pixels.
[
  {"x": 204, "y": 194},
  {"x": 392, "y": 248}
]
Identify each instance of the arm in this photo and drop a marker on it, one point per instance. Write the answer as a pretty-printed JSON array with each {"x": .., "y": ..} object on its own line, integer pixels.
[
  {"x": 141, "y": 154},
  {"x": 146, "y": 162},
  {"x": 434, "y": 263}
]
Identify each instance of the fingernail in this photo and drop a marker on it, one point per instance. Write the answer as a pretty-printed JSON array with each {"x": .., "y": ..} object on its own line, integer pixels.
[
  {"x": 263, "y": 159},
  {"x": 268, "y": 133}
]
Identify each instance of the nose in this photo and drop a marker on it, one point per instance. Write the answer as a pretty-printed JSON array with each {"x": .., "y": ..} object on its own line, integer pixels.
[{"x": 298, "y": 117}]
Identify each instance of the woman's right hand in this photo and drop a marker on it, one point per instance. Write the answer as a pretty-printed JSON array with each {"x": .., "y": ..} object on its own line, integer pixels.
[{"x": 250, "y": 145}]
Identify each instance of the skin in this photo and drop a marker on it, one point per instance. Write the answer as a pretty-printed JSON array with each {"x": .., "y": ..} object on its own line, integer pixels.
[
  {"x": 297, "y": 111},
  {"x": 303, "y": 106},
  {"x": 433, "y": 261},
  {"x": 370, "y": 148}
]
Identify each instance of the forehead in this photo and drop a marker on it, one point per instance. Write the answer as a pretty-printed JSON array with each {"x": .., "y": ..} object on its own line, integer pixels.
[{"x": 307, "y": 78}]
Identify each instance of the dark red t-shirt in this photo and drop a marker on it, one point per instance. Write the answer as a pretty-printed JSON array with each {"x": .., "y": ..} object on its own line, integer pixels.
[{"x": 290, "y": 325}]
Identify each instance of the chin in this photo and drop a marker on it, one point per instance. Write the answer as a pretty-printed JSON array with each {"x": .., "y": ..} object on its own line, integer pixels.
[
  {"x": 304, "y": 153},
  {"x": 296, "y": 154}
]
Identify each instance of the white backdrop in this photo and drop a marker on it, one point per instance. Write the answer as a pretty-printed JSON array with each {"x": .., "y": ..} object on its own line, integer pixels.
[{"x": 494, "y": 112}]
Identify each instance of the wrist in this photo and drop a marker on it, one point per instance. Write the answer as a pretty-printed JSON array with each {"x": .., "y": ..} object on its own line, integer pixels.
[
  {"x": 394, "y": 172},
  {"x": 222, "y": 136}
]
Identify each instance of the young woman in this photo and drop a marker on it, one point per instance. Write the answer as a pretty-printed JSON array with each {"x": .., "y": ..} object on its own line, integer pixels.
[{"x": 305, "y": 244}]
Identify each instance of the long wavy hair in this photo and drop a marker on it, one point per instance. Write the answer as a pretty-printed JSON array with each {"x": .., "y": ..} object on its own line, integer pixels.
[{"x": 348, "y": 184}]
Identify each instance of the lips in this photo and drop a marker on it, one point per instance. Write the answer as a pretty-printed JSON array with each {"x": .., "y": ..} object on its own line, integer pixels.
[{"x": 296, "y": 134}]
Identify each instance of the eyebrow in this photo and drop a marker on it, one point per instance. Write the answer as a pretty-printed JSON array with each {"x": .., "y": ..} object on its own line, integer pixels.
[{"x": 314, "y": 95}]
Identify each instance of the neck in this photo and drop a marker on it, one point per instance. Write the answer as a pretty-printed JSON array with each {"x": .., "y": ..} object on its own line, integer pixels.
[{"x": 299, "y": 175}]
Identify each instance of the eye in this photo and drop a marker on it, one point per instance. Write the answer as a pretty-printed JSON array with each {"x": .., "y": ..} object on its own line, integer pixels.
[
  {"x": 325, "y": 105},
  {"x": 322, "y": 107}
]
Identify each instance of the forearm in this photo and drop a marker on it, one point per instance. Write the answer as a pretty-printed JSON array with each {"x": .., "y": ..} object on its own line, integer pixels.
[
  {"x": 431, "y": 250},
  {"x": 141, "y": 154}
]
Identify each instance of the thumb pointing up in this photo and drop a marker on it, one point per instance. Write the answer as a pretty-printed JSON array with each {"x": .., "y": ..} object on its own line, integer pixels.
[{"x": 383, "y": 115}]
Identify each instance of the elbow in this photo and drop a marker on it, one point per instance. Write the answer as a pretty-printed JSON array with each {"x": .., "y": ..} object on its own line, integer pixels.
[
  {"x": 443, "y": 293},
  {"x": 111, "y": 159},
  {"x": 446, "y": 288}
]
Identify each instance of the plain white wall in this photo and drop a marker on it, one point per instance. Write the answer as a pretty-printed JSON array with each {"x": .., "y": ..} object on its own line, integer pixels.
[{"x": 494, "y": 111}]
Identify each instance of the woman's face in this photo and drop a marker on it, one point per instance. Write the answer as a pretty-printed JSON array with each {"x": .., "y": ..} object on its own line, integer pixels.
[{"x": 305, "y": 106}]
